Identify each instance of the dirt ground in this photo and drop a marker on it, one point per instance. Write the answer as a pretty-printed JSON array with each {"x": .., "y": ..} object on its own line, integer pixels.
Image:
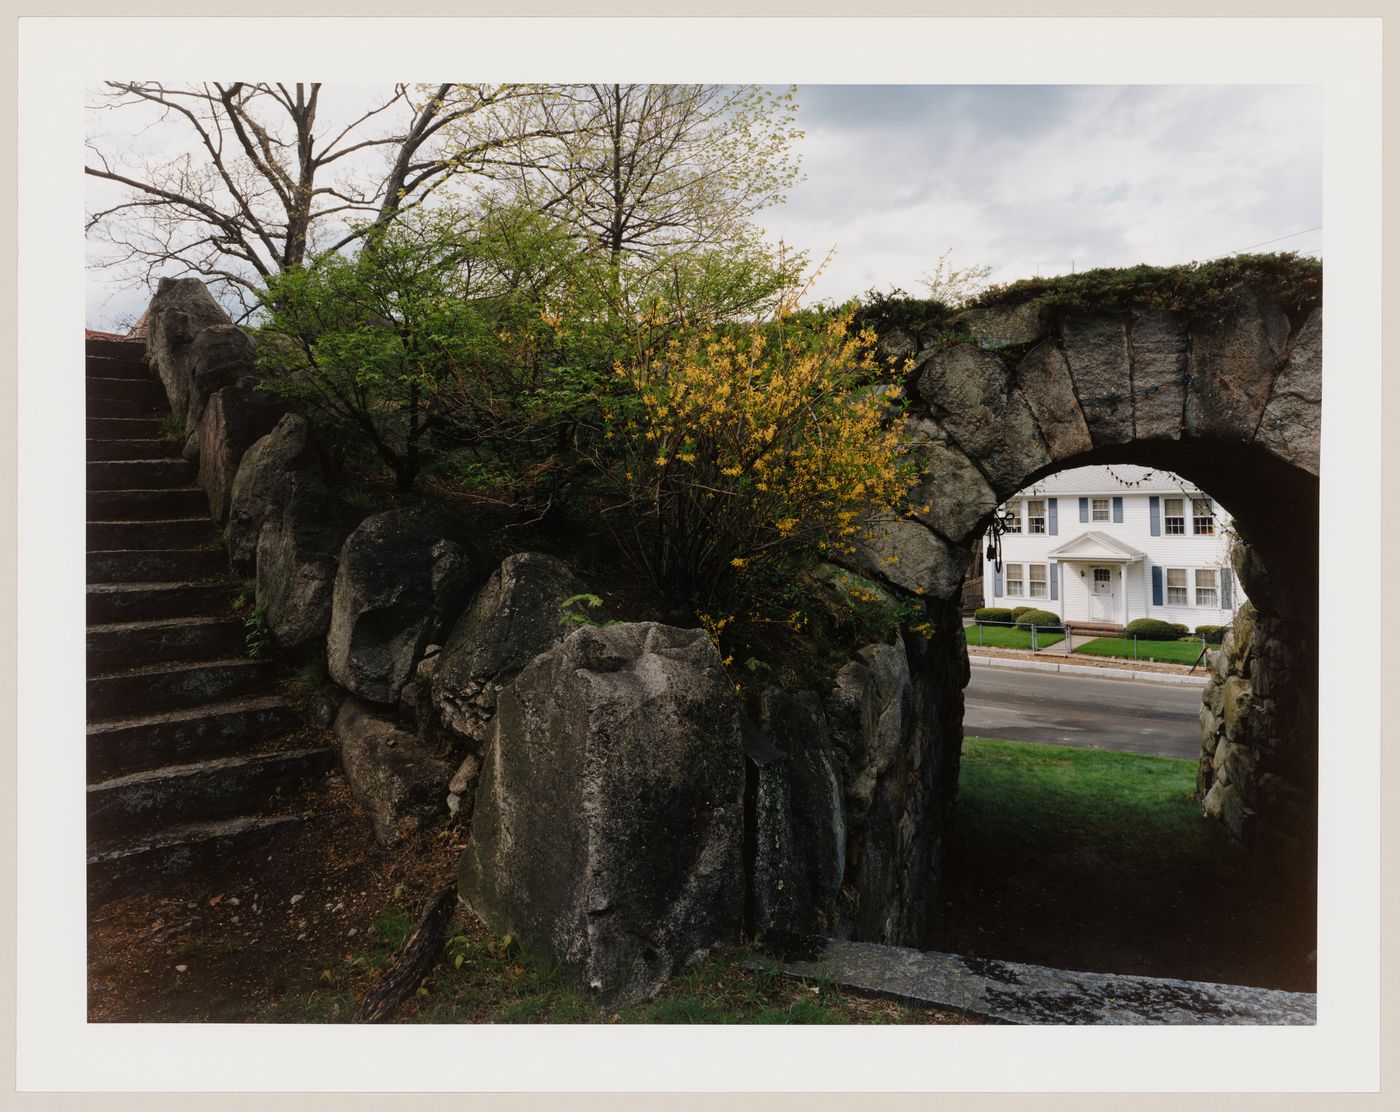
[{"x": 229, "y": 947}]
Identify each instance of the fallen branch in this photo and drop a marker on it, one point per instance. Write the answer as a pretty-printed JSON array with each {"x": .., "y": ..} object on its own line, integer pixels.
[{"x": 418, "y": 956}]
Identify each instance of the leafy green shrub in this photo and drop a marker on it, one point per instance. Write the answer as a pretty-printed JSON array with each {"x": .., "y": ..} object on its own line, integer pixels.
[
  {"x": 1181, "y": 630},
  {"x": 994, "y": 614},
  {"x": 1213, "y": 634},
  {"x": 1017, "y": 611},
  {"x": 743, "y": 449},
  {"x": 1153, "y": 629},
  {"x": 1041, "y": 618}
]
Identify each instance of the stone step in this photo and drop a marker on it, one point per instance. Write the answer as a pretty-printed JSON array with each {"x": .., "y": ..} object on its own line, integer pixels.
[
  {"x": 127, "y": 407},
  {"x": 137, "y": 565},
  {"x": 177, "y": 532},
  {"x": 123, "y": 645},
  {"x": 147, "y": 505},
  {"x": 124, "y": 428},
  {"x": 117, "y": 351},
  {"x": 213, "y": 789},
  {"x": 135, "y": 602},
  {"x": 139, "y": 474},
  {"x": 174, "y": 686},
  {"x": 137, "y": 866},
  {"x": 124, "y": 389},
  {"x": 116, "y": 748},
  {"x": 136, "y": 370},
  {"x": 103, "y": 450}
]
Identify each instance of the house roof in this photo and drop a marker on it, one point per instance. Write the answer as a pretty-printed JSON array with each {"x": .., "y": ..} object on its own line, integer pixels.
[
  {"x": 1097, "y": 546},
  {"x": 1111, "y": 478}
]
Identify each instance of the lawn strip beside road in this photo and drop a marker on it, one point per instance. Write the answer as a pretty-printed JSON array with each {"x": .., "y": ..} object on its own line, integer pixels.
[
  {"x": 1008, "y": 637},
  {"x": 1168, "y": 652}
]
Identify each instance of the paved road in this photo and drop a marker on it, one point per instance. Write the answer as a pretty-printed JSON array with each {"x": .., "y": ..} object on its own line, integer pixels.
[{"x": 1132, "y": 716}]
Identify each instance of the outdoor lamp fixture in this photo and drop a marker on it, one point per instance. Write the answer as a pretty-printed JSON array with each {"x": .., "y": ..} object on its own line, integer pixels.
[{"x": 1001, "y": 522}]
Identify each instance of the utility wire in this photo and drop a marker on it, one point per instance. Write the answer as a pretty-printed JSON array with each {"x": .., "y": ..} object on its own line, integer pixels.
[{"x": 1290, "y": 235}]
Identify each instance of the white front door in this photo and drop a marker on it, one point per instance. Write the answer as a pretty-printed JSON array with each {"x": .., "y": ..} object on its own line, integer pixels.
[{"x": 1103, "y": 595}]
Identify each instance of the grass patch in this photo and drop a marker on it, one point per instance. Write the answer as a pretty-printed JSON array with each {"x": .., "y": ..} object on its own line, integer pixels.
[
  {"x": 1007, "y": 637},
  {"x": 1094, "y": 860},
  {"x": 1164, "y": 652},
  {"x": 486, "y": 980}
]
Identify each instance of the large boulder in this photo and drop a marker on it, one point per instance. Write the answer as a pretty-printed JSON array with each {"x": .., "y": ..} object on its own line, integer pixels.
[
  {"x": 1235, "y": 353},
  {"x": 297, "y": 553},
  {"x": 908, "y": 555},
  {"x": 608, "y": 831},
  {"x": 391, "y": 773},
  {"x": 403, "y": 576},
  {"x": 517, "y": 615},
  {"x": 260, "y": 486},
  {"x": 1292, "y": 423},
  {"x": 872, "y": 722},
  {"x": 179, "y": 311},
  {"x": 1096, "y": 348},
  {"x": 1159, "y": 343},
  {"x": 969, "y": 392},
  {"x": 221, "y": 355},
  {"x": 234, "y": 419},
  {"x": 797, "y": 725},
  {"x": 952, "y": 497},
  {"x": 1043, "y": 379}
]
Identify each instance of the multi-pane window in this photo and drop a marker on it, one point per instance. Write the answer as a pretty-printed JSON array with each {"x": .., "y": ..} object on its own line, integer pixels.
[
  {"x": 1035, "y": 515},
  {"x": 1098, "y": 509},
  {"x": 1202, "y": 517},
  {"x": 1176, "y": 587},
  {"x": 1206, "y": 587},
  {"x": 1039, "y": 588},
  {"x": 1013, "y": 517},
  {"x": 1014, "y": 583},
  {"x": 1174, "y": 511}
]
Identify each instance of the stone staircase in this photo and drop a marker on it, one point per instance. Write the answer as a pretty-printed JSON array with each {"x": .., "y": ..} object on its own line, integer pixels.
[{"x": 191, "y": 745}]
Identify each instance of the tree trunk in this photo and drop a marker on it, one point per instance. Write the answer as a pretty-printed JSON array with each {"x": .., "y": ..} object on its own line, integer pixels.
[{"x": 417, "y": 958}]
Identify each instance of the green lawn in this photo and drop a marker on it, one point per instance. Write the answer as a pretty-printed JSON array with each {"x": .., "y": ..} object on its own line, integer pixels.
[
  {"x": 1007, "y": 637},
  {"x": 1094, "y": 860},
  {"x": 1169, "y": 652}
]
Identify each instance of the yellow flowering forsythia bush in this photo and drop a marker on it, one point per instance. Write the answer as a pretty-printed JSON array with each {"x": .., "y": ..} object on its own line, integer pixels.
[{"x": 747, "y": 450}]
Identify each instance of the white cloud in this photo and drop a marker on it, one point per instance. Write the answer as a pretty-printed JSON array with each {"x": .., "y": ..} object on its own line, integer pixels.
[{"x": 1048, "y": 178}]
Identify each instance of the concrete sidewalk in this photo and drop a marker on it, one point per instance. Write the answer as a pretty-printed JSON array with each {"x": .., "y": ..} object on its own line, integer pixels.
[
  {"x": 1010, "y": 992},
  {"x": 1045, "y": 662}
]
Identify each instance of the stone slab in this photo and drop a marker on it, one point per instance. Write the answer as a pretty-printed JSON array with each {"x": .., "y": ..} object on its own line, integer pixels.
[{"x": 1011, "y": 992}]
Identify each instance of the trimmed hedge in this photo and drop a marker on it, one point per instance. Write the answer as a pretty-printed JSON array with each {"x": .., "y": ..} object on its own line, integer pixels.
[
  {"x": 994, "y": 614},
  {"x": 1040, "y": 618},
  {"x": 1154, "y": 629},
  {"x": 1017, "y": 611},
  {"x": 1212, "y": 634}
]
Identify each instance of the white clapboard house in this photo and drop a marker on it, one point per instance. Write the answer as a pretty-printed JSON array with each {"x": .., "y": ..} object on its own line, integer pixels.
[{"x": 1104, "y": 545}]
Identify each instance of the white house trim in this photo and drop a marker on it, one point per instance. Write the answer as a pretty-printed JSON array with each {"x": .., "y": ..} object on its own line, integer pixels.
[{"x": 1117, "y": 543}]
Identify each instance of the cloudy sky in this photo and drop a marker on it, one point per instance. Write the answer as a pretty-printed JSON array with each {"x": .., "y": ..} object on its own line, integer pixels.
[
  {"x": 1027, "y": 180},
  {"x": 1045, "y": 179}
]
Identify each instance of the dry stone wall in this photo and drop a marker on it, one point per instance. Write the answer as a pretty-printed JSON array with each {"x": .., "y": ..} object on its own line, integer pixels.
[
  {"x": 806, "y": 812},
  {"x": 1230, "y": 398}
]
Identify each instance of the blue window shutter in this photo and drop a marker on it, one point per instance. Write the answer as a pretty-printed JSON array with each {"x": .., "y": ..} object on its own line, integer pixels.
[
  {"x": 1118, "y": 511},
  {"x": 1054, "y": 582},
  {"x": 1054, "y": 516},
  {"x": 1156, "y": 584},
  {"x": 1227, "y": 588},
  {"x": 1084, "y": 509},
  {"x": 1154, "y": 511},
  {"x": 996, "y": 585}
]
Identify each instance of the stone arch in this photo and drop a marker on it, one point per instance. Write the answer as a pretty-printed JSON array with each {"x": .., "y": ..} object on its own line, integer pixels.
[{"x": 1229, "y": 398}]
